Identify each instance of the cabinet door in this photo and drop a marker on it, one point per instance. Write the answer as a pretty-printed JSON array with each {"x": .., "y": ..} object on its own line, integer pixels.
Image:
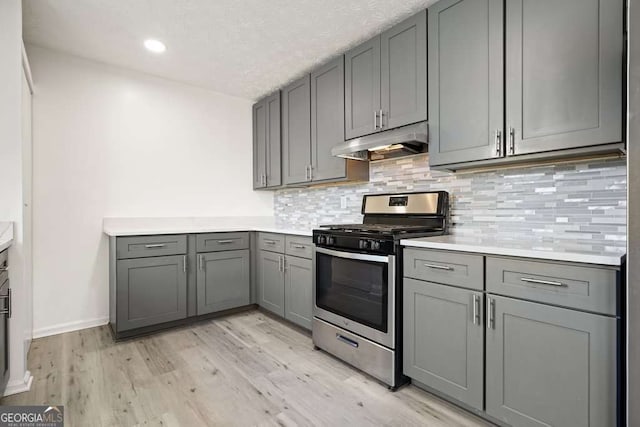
[
  {"x": 296, "y": 131},
  {"x": 298, "y": 290},
  {"x": 549, "y": 366},
  {"x": 564, "y": 73},
  {"x": 223, "y": 280},
  {"x": 362, "y": 89},
  {"x": 4, "y": 338},
  {"x": 327, "y": 120},
  {"x": 443, "y": 339},
  {"x": 404, "y": 72},
  {"x": 466, "y": 81},
  {"x": 274, "y": 143},
  {"x": 259, "y": 144},
  {"x": 151, "y": 291},
  {"x": 271, "y": 281}
]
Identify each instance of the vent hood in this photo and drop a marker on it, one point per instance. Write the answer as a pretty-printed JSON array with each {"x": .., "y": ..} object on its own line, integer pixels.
[{"x": 399, "y": 142}]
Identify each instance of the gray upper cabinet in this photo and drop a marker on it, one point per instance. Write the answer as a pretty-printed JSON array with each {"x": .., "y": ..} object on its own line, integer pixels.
[
  {"x": 362, "y": 91},
  {"x": 386, "y": 79},
  {"x": 267, "y": 142},
  {"x": 327, "y": 120},
  {"x": 259, "y": 145},
  {"x": 151, "y": 291},
  {"x": 296, "y": 131},
  {"x": 223, "y": 280},
  {"x": 549, "y": 366},
  {"x": 443, "y": 340},
  {"x": 271, "y": 281},
  {"x": 465, "y": 81},
  {"x": 564, "y": 73},
  {"x": 298, "y": 291},
  {"x": 403, "y": 55},
  {"x": 563, "y": 69}
]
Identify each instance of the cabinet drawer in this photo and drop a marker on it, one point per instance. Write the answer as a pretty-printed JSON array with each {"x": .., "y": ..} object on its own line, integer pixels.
[
  {"x": 149, "y": 246},
  {"x": 271, "y": 242},
  {"x": 299, "y": 246},
  {"x": 214, "y": 242},
  {"x": 450, "y": 268},
  {"x": 576, "y": 286}
]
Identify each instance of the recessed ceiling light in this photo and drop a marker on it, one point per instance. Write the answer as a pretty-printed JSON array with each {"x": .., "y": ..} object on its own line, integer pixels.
[{"x": 155, "y": 46}]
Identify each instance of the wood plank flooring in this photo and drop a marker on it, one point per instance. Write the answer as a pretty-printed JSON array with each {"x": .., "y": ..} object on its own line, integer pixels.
[{"x": 242, "y": 370}]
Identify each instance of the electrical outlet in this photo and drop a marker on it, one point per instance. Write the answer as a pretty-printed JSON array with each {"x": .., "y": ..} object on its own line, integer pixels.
[{"x": 343, "y": 202}]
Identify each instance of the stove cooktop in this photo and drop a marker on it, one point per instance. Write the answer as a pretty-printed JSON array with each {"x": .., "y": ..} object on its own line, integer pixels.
[{"x": 383, "y": 229}]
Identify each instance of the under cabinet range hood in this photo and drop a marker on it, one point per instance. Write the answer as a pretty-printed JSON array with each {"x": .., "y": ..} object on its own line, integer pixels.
[{"x": 399, "y": 142}]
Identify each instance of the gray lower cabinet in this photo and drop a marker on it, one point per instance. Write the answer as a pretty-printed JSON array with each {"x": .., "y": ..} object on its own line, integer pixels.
[
  {"x": 549, "y": 366},
  {"x": 285, "y": 282},
  {"x": 223, "y": 281},
  {"x": 466, "y": 81},
  {"x": 151, "y": 291},
  {"x": 298, "y": 290},
  {"x": 5, "y": 297},
  {"x": 296, "y": 131},
  {"x": 271, "y": 281},
  {"x": 444, "y": 339},
  {"x": 267, "y": 142}
]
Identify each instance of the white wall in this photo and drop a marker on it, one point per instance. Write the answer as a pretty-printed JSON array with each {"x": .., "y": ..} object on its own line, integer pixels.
[{"x": 111, "y": 142}]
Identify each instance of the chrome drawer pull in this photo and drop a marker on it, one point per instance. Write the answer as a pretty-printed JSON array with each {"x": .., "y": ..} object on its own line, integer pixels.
[
  {"x": 541, "y": 282},
  {"x": 346, "y": 340},
  {"x": 439, "y": 267},
  {"x": 159, "y": 245},
  {"x": 224, "y": 242},
  {"x": 298, "y": 246},
  {"x": 270, "y": 242}
]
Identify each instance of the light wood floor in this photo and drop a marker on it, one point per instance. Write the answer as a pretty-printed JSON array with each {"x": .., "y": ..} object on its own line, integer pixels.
[{"x": 242, "y": 370}]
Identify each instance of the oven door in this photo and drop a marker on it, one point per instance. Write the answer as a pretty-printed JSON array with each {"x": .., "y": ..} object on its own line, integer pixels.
[{"x": 356, "y": 292}]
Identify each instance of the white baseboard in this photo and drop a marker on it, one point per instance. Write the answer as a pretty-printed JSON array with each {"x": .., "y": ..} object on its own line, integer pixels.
[
  {"x": 69, "y": 327},
  {"x": 19, "y": 386}
]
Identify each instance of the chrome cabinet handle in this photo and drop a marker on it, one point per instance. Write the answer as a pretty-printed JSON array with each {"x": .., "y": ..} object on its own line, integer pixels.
[
  {"x": 375, "y": 120},
  {"x": 269, "y": 242},
  {"x": 298, "y": 246},
  {"x": 284, "y": 264},
  {"x": 512, "y": 142},
  {"x": 281, "y": 264},
  {"x": 541, "y": 282},
  {"x": 225, "y": 242},
  {"x": 201, "y": 262},
  {"x": 184, "y": 263},
  {"x": 3, "y": 269},
  {"x": 498, "y": 142},
  {"x": 8, "y": 309},
  {"x": 156, "y": 246},
  {"x": 310, "y": 172},
  {"x": 439, "y": 267},
  {"x": 491, "y": 324},
  {"x": 381, "y": 119},
  {"x": 476, "y": 309}
]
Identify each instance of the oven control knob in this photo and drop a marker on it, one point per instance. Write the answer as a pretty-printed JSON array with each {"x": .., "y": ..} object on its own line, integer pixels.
[
  {"x": 364, "y": 244},
  {"x": 321, "y": 239},
  {"x": 330, "y": 240},
  {"x": 375, "y": 245}
]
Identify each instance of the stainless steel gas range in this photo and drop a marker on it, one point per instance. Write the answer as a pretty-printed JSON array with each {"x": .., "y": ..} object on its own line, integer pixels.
[{"x": 357, "y": 311}]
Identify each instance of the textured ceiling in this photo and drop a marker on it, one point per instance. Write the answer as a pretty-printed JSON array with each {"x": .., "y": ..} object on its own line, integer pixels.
[{"x": 239, "y": 47}]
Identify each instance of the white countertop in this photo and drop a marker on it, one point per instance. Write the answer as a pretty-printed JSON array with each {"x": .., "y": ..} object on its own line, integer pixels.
[
  {"x": 6, "y": 235},
  {"x": 558, "y": 250},
  {"x": 149, "y": 226}
]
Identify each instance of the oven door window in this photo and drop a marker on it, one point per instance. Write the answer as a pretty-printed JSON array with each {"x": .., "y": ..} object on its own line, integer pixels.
[{"x": 355, "y": 289}]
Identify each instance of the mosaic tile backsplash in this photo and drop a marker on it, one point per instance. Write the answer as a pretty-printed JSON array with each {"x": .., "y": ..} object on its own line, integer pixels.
[{"x": 583, "y": 201}]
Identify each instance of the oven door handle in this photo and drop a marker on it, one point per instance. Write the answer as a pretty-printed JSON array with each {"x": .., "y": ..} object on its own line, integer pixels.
[{"x": 351, "y": 255}]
